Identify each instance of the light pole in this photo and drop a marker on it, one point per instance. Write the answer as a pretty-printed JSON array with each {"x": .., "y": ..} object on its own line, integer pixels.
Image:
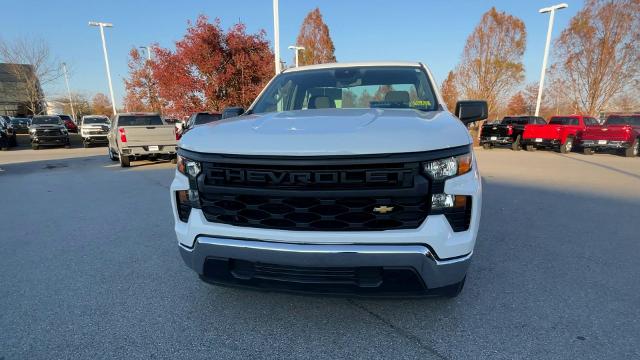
[
  {"x": 552, "y": 10},
  {"x": 66, "y": 81},
  {"x": 102, "y": 25},
  {"x": 296, "y": 48},
  {"x": 276, "y": 35}
]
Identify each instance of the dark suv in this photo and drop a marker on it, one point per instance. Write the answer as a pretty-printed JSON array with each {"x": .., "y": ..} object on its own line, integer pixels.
[
  {"x": 7, "y": 133},
  {"x": 508, "y": 131},
  {"x": 199, "y": 118}
]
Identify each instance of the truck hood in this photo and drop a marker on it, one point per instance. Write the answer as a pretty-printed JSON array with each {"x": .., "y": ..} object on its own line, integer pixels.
[
  {"x": 46, "y": 126},
  {"x": 329, "y": 132}
]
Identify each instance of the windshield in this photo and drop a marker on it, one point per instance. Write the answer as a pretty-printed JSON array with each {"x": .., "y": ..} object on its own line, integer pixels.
[
  {"x": 46, "y": 120},
  {"x": 95, "y": 120},
  {"x": 206, "y": 118},
  {"x": 65, "y": 117},
  {"x": 515, "y": 120},
  {"x": 633, "y": 120},
  {"x": 354, "y": 87},
  {"x": 139, "y": 120},
  {"x": 564, "y": 121}
]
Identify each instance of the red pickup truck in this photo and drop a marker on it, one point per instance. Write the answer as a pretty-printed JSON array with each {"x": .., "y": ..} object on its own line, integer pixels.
[
  {"x": 619, "y": 132},
  {"x": 560, "y": 133}
]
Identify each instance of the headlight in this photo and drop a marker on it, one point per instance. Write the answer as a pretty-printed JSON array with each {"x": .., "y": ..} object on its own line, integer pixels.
[
  {"x": 445, "y": 168},
  {"x": 188, "y": 167}
]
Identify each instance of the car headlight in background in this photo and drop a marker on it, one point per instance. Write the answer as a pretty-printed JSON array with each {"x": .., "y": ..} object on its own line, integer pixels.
[{"x": 448, "y": 167}]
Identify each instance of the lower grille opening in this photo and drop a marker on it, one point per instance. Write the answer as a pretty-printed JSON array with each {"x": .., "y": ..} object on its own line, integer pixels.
[
  {"x": 333, "y": 280},
  {"x": 183, "y": 205}
]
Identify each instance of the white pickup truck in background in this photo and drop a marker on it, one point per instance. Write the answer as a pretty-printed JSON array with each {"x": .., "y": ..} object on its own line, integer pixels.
[{"x": 135, "y": 136}]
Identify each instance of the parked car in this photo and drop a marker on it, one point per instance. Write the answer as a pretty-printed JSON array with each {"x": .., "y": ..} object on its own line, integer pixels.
[
  {"x": 20, "y": 125},
  {"x": 199, "y": 118},
  {"x": 298, "y": 193},
  {"x": 7, "y": 134},
  {"x": 69, "y": 123},
  {"x": 619, "y": 132},
  {"x": 508, "y": 131},
  {"x": 94, "y": 129},
  {"x": 48, "y": 130},
  {"x": 561, "y": 133},
  {"x": 134, "y": 136}
]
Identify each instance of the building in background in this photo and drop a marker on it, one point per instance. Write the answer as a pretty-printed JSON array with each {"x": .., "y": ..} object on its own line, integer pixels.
[{"x": 20, "y": 92}]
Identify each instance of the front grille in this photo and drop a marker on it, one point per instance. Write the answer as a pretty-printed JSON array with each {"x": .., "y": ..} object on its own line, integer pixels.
[
  {"x": 316, "y": 213},
  {"x": 53, "y": 132},
  {"x": 97, "y": 132}
]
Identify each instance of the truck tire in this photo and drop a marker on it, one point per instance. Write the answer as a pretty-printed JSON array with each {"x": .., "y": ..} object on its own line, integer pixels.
[
  {"x": 588, "y": 151},
  {"x": 632, "y": 150},
  {"x": 515, "y": 145},
  {"x": 567, "y": 146},
  {"x": 86, "y": 144},
  {"x": 124, "y": 161},
  {"x": 486, "y": 146},
  {"x": 531, "y": 148},
  {"x": 174, "y": 160},
  {"x": 13, "y": 142},
  {"x": 35, "y": 146}
]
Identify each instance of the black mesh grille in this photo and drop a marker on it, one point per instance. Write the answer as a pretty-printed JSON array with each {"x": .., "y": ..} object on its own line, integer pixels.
[
  {"x": 48, "y": 132},
  {"x": 316, "y": 213}
]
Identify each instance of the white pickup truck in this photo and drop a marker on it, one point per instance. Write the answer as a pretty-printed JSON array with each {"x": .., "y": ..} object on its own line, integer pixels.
[
  {"x": 135, "y": 136},
  {"x": 340, "y": 178}
]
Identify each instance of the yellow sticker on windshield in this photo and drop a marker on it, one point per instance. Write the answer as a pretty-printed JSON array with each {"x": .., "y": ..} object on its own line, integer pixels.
[{"x": 425, "y": 103}]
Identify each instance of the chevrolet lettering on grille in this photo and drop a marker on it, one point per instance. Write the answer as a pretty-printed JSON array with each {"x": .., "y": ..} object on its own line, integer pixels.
[{"x": 227, "y": 176}]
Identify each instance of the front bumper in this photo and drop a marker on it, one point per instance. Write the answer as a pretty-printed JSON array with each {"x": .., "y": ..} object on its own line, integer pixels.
[
  {"x": 605, "y": 144},
  {"x": 355, "y": 269},
  {"x": 95, "y": 138},
  {"x": 50, "y": 140}
]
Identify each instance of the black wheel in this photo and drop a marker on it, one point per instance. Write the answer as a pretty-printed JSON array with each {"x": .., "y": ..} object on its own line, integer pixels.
[
  {"x": 174, "y": 160},
  {"x": 13, "y": 142},
  {"x": 124, "y": 161},
  {"x": 486, "y": 146},
  {"x": 112, "y": 156},
  {"x": 86, "y": 144},
  {"x": 35, "y": 146},
  {"x": 632, "y": 150},
  {"x": 588, "y": 151},
  {"x": 567, "y": 146},
  {"x": 453, "y": 290},
  {"x": 515, "y": 146},
  {"x": 531, "y": 148}
]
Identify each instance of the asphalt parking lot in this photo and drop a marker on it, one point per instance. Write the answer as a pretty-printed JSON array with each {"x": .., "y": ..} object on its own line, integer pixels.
[{"x": 89, "y": 268}]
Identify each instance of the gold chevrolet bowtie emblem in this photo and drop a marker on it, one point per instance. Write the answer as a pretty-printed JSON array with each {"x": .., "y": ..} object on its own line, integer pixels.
[{"x": 383, "y": 209}]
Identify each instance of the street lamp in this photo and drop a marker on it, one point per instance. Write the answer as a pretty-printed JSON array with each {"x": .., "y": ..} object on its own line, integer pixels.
[
  {"x": 276, "y": 36},
  {"x": 552, "y": 10},
  {"x": 103, "y": 25},
  {"x": 148, "y": 50},
  {"x": 296, "y": 48},
  {"x": 66, "y": 81}
]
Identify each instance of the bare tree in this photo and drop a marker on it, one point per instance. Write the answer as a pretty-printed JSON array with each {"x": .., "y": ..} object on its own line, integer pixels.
[
  {"x": 30, "y": 61},
  {"x": 81, "y": 104},
  {"x": 491, "y": 64},
  {"x": 599, "y": 52}
]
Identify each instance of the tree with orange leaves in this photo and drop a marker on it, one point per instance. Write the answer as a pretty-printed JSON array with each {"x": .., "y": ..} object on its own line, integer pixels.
[
  {"x": 449, "y": 91},
  {"x": 314, "y": 37},
  {"x": 491, "y": 65},
  {"x": 599, "y": 53}
]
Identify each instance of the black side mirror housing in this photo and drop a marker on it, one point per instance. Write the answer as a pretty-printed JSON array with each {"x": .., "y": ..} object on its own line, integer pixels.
[
  {"x": 232, "y": 112},
  {"x": 469, "y": 111}
]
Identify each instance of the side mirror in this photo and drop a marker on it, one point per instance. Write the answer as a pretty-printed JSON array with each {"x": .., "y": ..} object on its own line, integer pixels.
[
  {"x": 232, "y": 112},
  {"x": 469, "y": 111}
]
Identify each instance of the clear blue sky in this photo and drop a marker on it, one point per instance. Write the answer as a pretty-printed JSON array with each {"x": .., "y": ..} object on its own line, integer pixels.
[{"x": 433, "y": 32}]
